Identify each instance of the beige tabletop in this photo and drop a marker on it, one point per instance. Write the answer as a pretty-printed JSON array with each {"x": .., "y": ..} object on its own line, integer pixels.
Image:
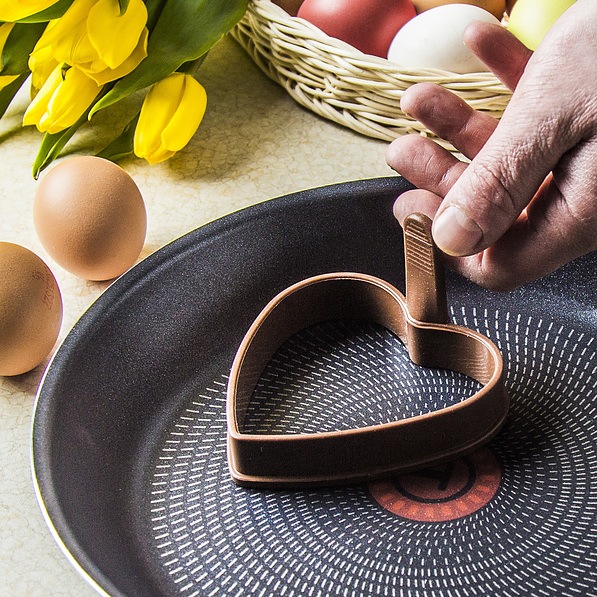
[{"x": 255, "y": 143}]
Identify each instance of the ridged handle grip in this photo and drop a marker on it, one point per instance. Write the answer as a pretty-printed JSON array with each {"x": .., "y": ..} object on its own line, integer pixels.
[{"x": 425, "y": 281}]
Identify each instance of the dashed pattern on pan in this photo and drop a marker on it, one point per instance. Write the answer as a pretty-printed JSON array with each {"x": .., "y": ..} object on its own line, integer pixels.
[{"x": 536, "y": 536}]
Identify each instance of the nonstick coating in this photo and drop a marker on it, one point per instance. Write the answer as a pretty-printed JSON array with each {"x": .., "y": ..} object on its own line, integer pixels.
[{"x": 129, "y": 443}]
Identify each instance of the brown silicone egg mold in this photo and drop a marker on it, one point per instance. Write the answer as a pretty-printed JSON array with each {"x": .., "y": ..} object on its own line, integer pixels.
[{"x": 367, "y": 453}]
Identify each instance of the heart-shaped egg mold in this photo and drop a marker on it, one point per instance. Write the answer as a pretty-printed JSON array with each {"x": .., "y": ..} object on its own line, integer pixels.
[{"x": 375, "y": 451}]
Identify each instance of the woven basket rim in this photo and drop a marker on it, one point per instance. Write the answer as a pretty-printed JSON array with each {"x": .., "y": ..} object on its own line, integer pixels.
[
  {"x": 345, "y": 85},
  {"x": 300, "y": 27}
]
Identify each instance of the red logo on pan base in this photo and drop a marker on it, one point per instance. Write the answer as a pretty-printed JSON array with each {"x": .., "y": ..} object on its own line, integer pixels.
[{"x": 446, "y": 492}]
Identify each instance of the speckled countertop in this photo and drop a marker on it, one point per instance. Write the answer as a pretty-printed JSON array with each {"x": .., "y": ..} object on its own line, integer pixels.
[{"x": 255, "y": 143}]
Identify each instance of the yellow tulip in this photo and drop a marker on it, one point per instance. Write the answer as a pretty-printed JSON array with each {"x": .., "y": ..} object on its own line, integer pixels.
[
  {"x": 93, "y": 36},
  {"x": 61, "y": 101},
  {"x": 115, "y": 36},
  {"x": 13, "y": 10},
  {"x": 170, "y": 115},
  {"x": 40, "y": 71},
  {"x": 41, "y": 64},
  {"x": 5, "y": 30},
  {"x": 105, "y": 75}
]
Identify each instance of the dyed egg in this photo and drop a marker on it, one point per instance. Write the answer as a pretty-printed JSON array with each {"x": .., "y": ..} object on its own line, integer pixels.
[
  {"x": 30, "y": 309},
  {"x": 530, "y": 20},
  {"x": 368, "y": 25},
  {"x": 434, "y": 40},
  {"x": 90, "y": 217},
  {"x": 495, "y": 7}
]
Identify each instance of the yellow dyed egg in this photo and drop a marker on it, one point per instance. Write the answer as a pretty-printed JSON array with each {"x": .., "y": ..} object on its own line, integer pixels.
[
  {"x": 30, "y": 309},
  {"x": 530, "y": 20}
]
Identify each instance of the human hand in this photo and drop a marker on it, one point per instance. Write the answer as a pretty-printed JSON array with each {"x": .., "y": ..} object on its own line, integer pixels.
[{"x": 527, "y": 202}]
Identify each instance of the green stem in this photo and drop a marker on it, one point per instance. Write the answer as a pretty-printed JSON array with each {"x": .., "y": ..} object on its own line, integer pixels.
[
  {"x": 192, "y": 67},
  {"x": 123, "y": 145}
]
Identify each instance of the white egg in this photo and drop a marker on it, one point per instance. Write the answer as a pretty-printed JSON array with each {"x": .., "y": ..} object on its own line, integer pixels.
[{"x": 433, "y": 39}]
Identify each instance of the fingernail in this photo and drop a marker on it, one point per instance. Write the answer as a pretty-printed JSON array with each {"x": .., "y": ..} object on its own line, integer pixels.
[{"x": 455, "y": 233}]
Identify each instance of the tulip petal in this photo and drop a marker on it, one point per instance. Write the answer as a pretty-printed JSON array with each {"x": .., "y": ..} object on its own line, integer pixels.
[
  {"x": 39, "y": 104},
  {"x": 115, "y": 36},
  {"x": 61, "y": 101},
  {"x": 42, "y": 52},
  {"x": 15, "y": 10},
  {"x": 70, "y": 100},
  {"x": 157, "y": 110},
  {"x": 161, "y": 155},
  {"x": 187, "y": 118},
  {"x": 67, "y": 38},
  {"x": 170, "y": 116},
  {"x": 105, "y": 75},
  {"x": 40, "y": 75}
]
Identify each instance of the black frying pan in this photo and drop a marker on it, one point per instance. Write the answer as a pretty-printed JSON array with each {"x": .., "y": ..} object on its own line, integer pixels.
[{"x": 129, "y": 434}]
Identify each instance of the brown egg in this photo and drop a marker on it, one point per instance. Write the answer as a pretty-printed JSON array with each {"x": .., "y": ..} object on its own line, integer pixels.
[
  {"x": 30, "y": 310},
  {"x": 90, "y": 217},
  {"x": 495, "y": 7}
]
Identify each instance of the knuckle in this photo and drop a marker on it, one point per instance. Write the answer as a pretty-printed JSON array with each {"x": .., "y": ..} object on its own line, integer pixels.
[
  {"x": 578, "y": 228},
  {"x": 492, "y": 196}
]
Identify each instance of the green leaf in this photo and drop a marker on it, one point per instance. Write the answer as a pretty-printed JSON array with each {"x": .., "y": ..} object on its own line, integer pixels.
[
  {"x": 185, "y": 30},
  {"x": 52, "y": 12},
  {"x": 7, "y": 93},
  {"x": 124, "y": 4},
  {"x": 52, "y": 144},
  {"x": 154, "y": 10},
  {"x": 20, "y": 43},
  {"x": 122, "y": 146}
]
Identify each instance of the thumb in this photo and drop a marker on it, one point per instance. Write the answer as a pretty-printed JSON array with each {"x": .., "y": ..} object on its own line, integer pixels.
[
  {"x": 538, "y": 127},
  {"x": 493, "y": 191}
]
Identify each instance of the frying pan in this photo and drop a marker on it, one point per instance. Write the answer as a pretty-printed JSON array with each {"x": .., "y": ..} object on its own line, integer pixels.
[{"x": 129, "y": 430}]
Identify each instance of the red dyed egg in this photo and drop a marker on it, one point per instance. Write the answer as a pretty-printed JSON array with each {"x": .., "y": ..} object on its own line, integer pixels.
[{"x": 368, "y": 25}]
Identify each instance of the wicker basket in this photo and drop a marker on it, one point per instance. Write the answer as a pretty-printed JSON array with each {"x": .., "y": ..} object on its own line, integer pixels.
[{"x": 338, "y": 82}]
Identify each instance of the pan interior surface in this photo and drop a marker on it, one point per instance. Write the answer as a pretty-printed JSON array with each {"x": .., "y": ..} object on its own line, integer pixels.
[
  {"x": 130, "y": 424},
  {"x": 344, "y": 374}
]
